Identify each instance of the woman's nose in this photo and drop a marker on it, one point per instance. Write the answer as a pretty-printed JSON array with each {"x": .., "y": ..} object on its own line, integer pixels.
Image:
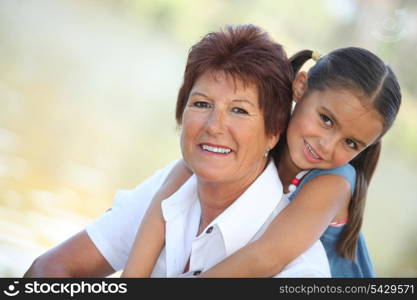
[{"x": 216, "y": 122}]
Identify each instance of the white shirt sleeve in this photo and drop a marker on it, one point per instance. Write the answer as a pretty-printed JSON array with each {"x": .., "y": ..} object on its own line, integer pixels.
[
  {"x": 312, "y": 263},
  {"x": 303, "y": 271},
  {"x": 114, "y": 232}
]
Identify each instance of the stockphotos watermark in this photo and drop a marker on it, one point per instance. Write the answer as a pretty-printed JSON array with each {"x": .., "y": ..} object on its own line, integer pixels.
[
  {"x": 392, "y": 28},
  {"x": 70, "y": 288}
]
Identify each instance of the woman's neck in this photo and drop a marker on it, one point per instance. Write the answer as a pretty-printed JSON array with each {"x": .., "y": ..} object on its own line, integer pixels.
[
  {"x": 287, "y": 170},
  {"x": 216, "y": 197}
]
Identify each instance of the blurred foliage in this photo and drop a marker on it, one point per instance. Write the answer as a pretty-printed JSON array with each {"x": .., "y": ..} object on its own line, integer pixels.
[{"x": 388, "y": 28}]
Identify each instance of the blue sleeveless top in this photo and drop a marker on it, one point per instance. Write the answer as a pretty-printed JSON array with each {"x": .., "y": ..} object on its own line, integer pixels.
[{"x": 339, "y": 266}]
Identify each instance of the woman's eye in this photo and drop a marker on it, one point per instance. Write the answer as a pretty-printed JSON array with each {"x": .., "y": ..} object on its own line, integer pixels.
[
  {"x": 239, "y": 110},
  {"x": 326, "y": 120},
  {"x": 351, "y": 144},
  {"x": 201, "y": 104}
]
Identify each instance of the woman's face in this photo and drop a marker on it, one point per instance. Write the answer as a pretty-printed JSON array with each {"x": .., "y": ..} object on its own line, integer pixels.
[
  {"x": 329, "y": 128},
  {"x": 223, "y": 133}
]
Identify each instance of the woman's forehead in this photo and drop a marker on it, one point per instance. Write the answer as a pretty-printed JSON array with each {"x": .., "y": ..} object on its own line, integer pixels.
[
  {"x": 238, "y": 80},
  {"x": 217, "y": 82}
]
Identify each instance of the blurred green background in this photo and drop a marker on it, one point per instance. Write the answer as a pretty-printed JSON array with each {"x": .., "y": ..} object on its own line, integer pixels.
[{"x": 87, "y": 97}]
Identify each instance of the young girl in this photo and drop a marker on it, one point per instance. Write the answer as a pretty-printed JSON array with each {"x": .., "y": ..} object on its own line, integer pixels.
[{"x": 344, "y": 105}]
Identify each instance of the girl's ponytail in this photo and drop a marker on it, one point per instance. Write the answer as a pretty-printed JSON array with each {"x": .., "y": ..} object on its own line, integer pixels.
[
  {"x": 299, "y": 59},
  {"x": 364, "y": 164}
]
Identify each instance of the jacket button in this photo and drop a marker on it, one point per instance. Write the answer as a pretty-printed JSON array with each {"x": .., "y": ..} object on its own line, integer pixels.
[
  {"x": 209, "y": 230},
  {"x": 197, "y": 273}
]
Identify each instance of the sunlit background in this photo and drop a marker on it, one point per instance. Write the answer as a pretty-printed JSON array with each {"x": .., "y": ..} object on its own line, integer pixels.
[{"x": 87, "y": 97}]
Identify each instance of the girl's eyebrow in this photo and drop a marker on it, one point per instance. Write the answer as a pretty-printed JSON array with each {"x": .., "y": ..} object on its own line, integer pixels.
[{"x": 336, "y": 122}]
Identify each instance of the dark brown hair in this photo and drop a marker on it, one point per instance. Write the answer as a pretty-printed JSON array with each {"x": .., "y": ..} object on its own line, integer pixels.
[
  {"x": 361, "y": 71},
  {"x": 247, "y": 53}
]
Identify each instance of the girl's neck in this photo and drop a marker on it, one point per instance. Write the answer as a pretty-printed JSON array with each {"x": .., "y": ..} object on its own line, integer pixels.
[{"x": 287, "y": 170}]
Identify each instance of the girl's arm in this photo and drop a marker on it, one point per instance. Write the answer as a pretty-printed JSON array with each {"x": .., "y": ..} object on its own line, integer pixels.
[
  {"x": 292, "y": 232},
  {"x": 150, "y": 237}
]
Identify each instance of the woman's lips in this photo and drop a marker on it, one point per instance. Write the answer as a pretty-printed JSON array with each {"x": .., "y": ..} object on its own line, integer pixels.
[
  {"x": 310, "y": 154},
  {"x": 215, "y": 149}
]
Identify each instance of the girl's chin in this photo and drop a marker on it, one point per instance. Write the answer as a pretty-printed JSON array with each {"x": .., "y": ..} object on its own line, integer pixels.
[{"x": 302, "y": 163}]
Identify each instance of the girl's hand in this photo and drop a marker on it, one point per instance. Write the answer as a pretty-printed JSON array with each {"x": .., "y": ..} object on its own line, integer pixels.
[{"x": 150, "y": 238}]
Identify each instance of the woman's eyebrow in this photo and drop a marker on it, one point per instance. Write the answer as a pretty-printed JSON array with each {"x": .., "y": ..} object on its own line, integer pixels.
[
  {"x": 199, "y": 94},
  {"x": 245, "y": 101},
  {"x": 234, "y": 100}
]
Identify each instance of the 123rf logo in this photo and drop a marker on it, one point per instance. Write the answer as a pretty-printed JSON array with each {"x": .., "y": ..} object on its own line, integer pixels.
[
  {"x": 11, "y": 289},
  {"x": 70, "y": 289}
]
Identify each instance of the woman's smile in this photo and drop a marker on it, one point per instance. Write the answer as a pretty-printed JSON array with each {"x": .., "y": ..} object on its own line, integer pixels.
[{"x": 212, "y": 149}]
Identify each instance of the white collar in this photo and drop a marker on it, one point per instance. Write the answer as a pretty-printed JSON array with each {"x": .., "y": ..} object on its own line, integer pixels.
[
  {"x": 242, "y": 219},
  {"x": 181, "y": 201}
]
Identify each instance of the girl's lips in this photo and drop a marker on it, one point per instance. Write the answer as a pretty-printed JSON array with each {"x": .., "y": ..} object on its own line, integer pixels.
[{"x": 310, "y": 154}]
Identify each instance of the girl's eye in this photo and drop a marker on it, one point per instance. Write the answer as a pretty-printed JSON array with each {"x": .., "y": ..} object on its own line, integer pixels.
[
  {"x": 326, "y": 120},
  {"x": 351, "y": 144},
  {"x": 239, "y": 110},
  {"x": 201, "y": 104}
]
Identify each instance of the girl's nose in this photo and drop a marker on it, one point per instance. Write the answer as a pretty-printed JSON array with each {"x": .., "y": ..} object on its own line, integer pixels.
[{"x": 327, "y": 143}]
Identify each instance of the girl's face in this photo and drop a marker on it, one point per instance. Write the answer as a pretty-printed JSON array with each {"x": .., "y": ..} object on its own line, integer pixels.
[{"x": 329, "y": 128}]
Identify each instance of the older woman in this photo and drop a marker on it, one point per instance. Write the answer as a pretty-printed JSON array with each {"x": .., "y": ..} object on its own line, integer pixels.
[{"x": 232, "y": 106}]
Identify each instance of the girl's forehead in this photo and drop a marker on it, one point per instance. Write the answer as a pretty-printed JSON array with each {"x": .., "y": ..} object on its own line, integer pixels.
[{"x": 344, "y": 101}]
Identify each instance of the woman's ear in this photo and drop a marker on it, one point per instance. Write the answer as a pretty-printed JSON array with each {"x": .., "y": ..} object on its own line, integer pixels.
[
  {"x": 299, "y": 85},
  {"x": 273, "y": 140}
]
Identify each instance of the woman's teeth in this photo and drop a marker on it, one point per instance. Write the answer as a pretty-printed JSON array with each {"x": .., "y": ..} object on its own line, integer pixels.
[{"x": 216, "y": 149}]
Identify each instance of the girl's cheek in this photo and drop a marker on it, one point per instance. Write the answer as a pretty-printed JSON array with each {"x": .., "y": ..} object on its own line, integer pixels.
[
  {"x": 297, "y": 127},
  {"x": 306, "y": 124},
  {"x": 343, "y": 159}
]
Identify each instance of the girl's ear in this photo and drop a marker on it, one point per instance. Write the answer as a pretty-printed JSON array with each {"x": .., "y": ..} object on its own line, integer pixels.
[{"x": 299, "y": 85}]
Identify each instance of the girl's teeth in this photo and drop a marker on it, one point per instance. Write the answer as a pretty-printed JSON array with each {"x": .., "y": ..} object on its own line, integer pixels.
[
  {"x": 312, "y": 152},
  {"x": 216, "y": 149}
]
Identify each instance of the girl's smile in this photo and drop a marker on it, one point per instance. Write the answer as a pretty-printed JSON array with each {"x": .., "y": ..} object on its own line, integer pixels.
[{"x": 310, "y": 154}]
